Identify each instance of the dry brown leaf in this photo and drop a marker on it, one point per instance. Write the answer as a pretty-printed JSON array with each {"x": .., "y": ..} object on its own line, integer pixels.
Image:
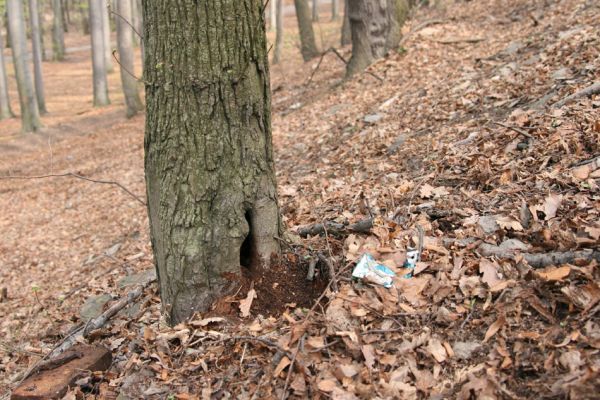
[
  {"x": 283, "y": 364},
  {"x": 489, "y": 269},
  {"x": 369, "y": 353},
  {"x": 437, "y": 350},
  {"x": 551, "y": 205},
  {"x": 507, "y": 222},
  {"x": 494, "y": 328},
  {"x": 554, "y": 273},
  {"x": 247, "y": 303},
  {"x": 299, "y": 385},
  {"x": 327, "y": 385}
]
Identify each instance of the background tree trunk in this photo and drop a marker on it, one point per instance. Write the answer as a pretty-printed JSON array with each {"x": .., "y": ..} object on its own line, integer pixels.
[
  {"x": 376, "y": 28},
  {"x": 308, "y": 46},
  {"x": 66, "y": 14},
  {"x": 36, "y": 46},
  {"x": 5, "y": 110},
  {"x": 209, "y": 158},
  {"x": 84, "y": 13},
  {"x": 108, "y": 60},
  {"x": 278, "y": 32},
  {"x": 98, "y": 54},
  {"x": 40, "y": 12},
  {"x": 272, "y": 15},
  {"x": 30, "y": 116},
  {"x": 125, "y": 45},
  {"x": 346, "y": 33},
  {"x": 58, "y": 32},
  {"x": 335, "y": 10},
  {"x": 315, "y": 10}
]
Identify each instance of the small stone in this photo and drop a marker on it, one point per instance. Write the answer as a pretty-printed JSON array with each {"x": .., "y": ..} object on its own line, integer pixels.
[
  {"x": 488, "y": 224},
  {"x": 372, "y": 118},
  {"x": 94, "y": 306},
  {"x": 141, "y": 278},
  {"x": 464, "y": 350}
]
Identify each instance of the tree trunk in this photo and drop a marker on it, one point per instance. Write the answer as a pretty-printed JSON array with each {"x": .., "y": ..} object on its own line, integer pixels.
[
  {"x": 125, "y": 45},
  {"x": 376, "y": 27},
  {"x": 5, "y": 110},
  {"x": 108, "y": 61},
  {"x": 140, "y": 31},
  {"x": 30, "y": 116},
  {"x": 40, "y": 12},
  {"x": 36, "y": 46},
  {"x": 66, "y": 14},
  {"x": 272, "y": 15},
  {"x": 315, "y": 10},
  {"x": 335, "y": 13},
  {"x": 58, "y": 32},
  {"x": 83, "y": 13},
  {"x": 210, "y": 176},
  {"x": 98, "y": 58},
  {"x": 278, "y": 32},
  {"x": 136, "y": 20},
  {"x": 308, "y": 46},
  {"x": 346, "y": 33}
]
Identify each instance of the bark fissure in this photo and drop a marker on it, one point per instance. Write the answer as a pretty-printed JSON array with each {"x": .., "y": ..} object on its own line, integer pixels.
[{"x": 209, "y": 163}]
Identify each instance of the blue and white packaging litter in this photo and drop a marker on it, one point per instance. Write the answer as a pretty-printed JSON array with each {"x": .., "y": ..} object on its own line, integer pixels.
[
  {"x": 412, "y": 257},
  {"x": 371, "y": 271}
]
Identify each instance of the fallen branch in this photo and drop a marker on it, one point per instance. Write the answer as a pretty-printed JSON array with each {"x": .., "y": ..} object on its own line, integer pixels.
[
  {"x": 331, "y": 270},
  {"x": 71, "y": 174},
  {"x": 513, "y": 128},
  {"x": 540, "y": 260},
  {"x": 585, "y": 92},
  {"x": 341, "y": 57},
  {"x": 100, "y": 321},
  {"x": 460, "y": 40},
  {"x": 418, "y": 28},
  {"x": 362, "y": 226}
]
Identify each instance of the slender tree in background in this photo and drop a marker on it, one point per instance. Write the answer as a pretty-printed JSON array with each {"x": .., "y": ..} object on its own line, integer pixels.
[
  {"x": 40, "y": 12},
  {"x": 308, "y": 46},
  {"x": 335, "y": 13},
  {"x": 66, "y": 14},
  {"x": 346, "y": 33},
  {"x": 58, "y": 32},
  {"x": 278, "y": 32},
  {"x": 136, "y": 19},
  {"x": 272, "y": 15},
  {"x": 140, "y": 28},
  {"x": 376, "y": 29},
  {"x": 210, "y": 176},
  {"x": 36, "y": 46},
  {"x": 108, "y": 61},
  {"x": 315, "y": 10},
  {"x": 30, "y": 116},
  {"x": 84, "y": 16},
  {"x": 98, "y": 58},
  {"x": 5, "y": 110},
  {"x": 125, "y": 45}
]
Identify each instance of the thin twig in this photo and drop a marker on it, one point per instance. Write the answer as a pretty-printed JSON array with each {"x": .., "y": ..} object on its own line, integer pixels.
[
  {"x": 291, "y": 367},
  {"x": 128, "y": 23},
  {"x": 514, "y": 128},
  {"x": 71, "y": 174},
  {"x": 114, "y": 54}
]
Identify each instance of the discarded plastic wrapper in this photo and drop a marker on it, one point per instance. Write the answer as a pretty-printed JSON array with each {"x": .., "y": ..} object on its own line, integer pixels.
[
  {"x": 371, "y": 271},
  {"x": 412, "y": 256}
]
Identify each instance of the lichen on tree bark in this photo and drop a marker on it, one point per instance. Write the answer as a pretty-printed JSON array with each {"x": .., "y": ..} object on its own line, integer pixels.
[{"x": 210, "y": 176}]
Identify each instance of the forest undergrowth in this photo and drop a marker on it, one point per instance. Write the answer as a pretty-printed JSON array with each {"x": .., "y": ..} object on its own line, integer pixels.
[{"x": 456, "y": 139}]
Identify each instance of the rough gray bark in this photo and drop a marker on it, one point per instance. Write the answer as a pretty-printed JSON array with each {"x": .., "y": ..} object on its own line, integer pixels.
[
  {"x": 278, "y": 32},
  {"x": 346, "y": 33},
  {"x": 36, "y": 46},
  {"x": 108, "y": 62},
  {"x": 209, "y": 158},
  {"x": 30, "y": 116},
  {"x": 315, "y": 10},
  {"x": 58, "y": 32},
  {"x": 125, "y": 46},
  {"x": 5, "y": 110},
  {"x": 335, "y": 13},
  {"x": 376, "y": 28},
  {"x": 308, "y": 46},
  {"x": 98, "y": 54}
]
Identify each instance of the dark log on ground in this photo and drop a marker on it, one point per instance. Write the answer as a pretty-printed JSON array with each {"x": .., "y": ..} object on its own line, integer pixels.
[{"x": 363, "y": 226}]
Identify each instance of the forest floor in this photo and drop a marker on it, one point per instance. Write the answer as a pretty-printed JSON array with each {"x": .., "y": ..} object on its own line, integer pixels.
[{"x": 456, "y": 135}]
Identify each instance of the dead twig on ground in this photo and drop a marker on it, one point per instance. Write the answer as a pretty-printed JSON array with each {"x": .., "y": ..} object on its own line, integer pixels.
[
  {"x": 341, "y": 57},
  {"x": 540, "y": 260},
  {"x": 291, "y": 367},
  {"x": 585, "y": 92},
  {"x": 363, "y": 226},
  {"x": 417, "y": 28},
  {"x": 331, "y": 269},
  {"x": 515, "y": 129},
  {"x": 73, "y": 175}
]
